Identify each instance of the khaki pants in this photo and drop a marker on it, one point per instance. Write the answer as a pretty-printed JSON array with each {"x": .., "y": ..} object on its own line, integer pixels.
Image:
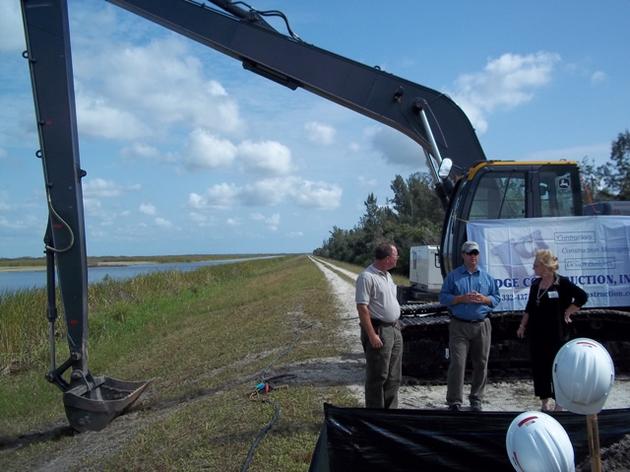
[
  {"x": 464, "y": 338},
  {"x": 383, "y": 368}
]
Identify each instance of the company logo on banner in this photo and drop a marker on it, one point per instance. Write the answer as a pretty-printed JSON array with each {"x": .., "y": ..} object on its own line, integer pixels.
[{"x": 593, "y": 251}]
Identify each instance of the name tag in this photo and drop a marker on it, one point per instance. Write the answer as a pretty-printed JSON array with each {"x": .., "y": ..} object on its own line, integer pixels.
[{"x": 552, "y": 294}]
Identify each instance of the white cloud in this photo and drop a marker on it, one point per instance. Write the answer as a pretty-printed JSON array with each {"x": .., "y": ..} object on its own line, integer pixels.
[
  {"x": 4, "y": 206},
  {"x": 220, "y": 196},
  {"x": 272, "y": 222},
  {"x": 21, "y": 223},
  {"x": 320, "y": 133},
  {"x": 216, "y": 89},
  {"x": 266, "y": 192},
  {"x": 395, "y": 147},
  {"x": 366, "y": 182},
  {"x": 305, "y": 193},
  {"x": 142, "y": 150},
  {"x": 98, "y": 188},
  {"x": 317, "y": 195},
  {"x": 505, "y": 82},
  {"x": 354, "y": 147},
  {"x": 163, "y": 223},
  {"x": 232, "y": 222},
  {"x": 269, "y": 192},
  {"x": 200, "y": 219},
  {"x": 598, "y": 77},
  {"x": 296, "y": 234},
  {"x": 96, "y": 116},
  {"x": 147, "y": 209},
  {"x": 11, "y": 27},
  {"x": 92, "y": 206},
  {"x": 205, "y": 150},
  {"x": 597, "y": 152},
  {"x": 196, "y": 201},
  {"x": 159, "y": 84},
  {"x": 269, "y": 157}
]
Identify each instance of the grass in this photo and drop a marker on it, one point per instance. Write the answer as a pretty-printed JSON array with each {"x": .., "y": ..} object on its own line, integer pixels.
[{"x": 205, "y": 338}]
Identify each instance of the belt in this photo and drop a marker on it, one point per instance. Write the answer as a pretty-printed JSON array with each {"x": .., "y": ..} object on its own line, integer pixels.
[
  {"x": 376, "y": 323},
  {"x": 468, "y": 321}
]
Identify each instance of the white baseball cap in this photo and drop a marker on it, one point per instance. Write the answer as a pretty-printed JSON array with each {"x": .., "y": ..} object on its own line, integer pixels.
[{"x": 470, "y": 246}]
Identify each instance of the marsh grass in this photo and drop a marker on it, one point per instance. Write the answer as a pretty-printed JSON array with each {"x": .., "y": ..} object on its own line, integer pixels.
[
  {"x": 23, "y": 329},
  {"x": 204, "y": 338}
]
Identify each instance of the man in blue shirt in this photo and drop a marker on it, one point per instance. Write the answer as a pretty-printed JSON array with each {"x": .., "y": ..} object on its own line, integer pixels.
[{"x": 470, "y": 294}]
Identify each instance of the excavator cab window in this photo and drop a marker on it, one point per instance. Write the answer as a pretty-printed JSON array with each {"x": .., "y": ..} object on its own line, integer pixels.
[
  {"x": 499, "y": 195},
  {"x": 500, "y": 191},
  {"x": 556, "y": 194}
]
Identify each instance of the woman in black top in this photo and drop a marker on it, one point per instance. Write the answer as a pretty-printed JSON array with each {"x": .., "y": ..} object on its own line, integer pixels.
[{"x": 552, "y": 300}]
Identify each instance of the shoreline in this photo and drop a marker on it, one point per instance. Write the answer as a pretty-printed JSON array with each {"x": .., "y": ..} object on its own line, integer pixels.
[{"x": 42, "y": 268}]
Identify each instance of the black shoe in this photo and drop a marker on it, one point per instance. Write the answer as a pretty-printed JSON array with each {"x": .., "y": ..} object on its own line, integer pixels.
[
  {"x": 476, "y": 407},
  {"x": 455, "y": 407}
]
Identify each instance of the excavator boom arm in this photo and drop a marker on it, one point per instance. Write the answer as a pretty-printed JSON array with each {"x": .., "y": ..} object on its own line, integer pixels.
[
  {"x": 48, "y": 54},
  {"x": 428, "y": 117},
  {"x": 384, "y": 97}
]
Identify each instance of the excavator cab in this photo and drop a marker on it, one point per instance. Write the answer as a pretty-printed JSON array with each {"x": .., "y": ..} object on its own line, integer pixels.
[{"x": 508, "y": 189}]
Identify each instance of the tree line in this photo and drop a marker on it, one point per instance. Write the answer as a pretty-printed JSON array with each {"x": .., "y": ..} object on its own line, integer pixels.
[
  {"x": 414, "y": 215},
  {"x": 610, "y": 181}
]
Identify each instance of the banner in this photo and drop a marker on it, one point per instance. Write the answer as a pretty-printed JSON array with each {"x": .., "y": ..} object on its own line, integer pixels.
[{"x": 593, "y": 251}]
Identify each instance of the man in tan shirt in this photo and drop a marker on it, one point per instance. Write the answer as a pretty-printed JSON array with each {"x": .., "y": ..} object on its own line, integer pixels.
[{"x": 379, "y": 312}]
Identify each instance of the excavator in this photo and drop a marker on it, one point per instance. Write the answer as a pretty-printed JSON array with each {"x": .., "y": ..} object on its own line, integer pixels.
[{"x": 469, "y": 186}]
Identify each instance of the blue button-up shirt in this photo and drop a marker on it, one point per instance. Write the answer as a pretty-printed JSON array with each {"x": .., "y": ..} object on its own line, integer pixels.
[{"x": 460, "y": 282}]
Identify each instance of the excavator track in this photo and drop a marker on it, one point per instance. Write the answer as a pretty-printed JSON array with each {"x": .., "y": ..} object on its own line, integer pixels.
[{"x": 425, "y": 333}]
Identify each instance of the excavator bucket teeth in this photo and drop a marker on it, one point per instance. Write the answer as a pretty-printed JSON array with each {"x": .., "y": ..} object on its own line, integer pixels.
[{"x": 91, "y": 409}]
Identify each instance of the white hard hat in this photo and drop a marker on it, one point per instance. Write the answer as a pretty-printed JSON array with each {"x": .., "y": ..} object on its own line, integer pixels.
[
  {"x": 537, "y": 442},
  {"x": 583, "y": 374}
]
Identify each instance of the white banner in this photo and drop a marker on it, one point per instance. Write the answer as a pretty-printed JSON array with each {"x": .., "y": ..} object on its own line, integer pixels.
[{"x": 593, "y": 251}]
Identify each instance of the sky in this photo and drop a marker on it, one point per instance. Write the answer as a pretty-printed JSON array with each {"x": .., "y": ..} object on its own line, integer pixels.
[{"x": 188, "y": 153}]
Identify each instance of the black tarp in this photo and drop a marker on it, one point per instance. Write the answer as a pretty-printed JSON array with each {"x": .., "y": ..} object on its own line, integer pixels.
[{"x": 438, "y": 440}]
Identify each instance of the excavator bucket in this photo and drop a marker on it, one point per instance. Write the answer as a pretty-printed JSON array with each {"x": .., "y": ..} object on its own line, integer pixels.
[{"x": 91, "y": 409}]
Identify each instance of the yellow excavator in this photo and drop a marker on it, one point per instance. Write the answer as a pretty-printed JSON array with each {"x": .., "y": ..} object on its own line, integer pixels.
[{"x": 470, "y": 186}]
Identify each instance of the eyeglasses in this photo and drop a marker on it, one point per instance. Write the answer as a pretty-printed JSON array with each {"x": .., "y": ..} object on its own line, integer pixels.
[{"x": 474, "y": 252}]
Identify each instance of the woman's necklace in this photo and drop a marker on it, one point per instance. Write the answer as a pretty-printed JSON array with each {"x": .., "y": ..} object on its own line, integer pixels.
[{"x": 541, "y": 291}]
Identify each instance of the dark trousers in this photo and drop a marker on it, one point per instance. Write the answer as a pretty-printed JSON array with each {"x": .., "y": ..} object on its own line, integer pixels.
[
  {"x": 383, "y": 368},
  {"x": 543, "y": 352}
]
